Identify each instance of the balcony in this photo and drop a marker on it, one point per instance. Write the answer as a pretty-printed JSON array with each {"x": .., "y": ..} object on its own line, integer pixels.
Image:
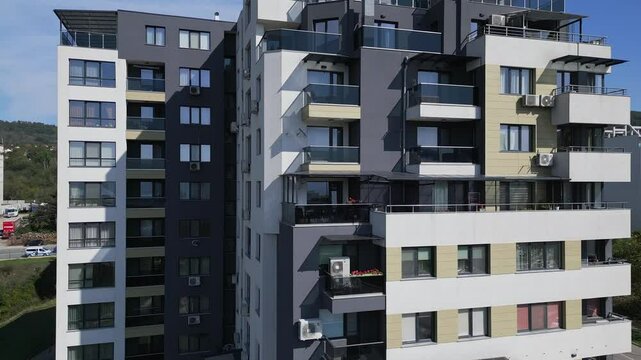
[
  {"x": 592, "y": 164},
  {"x": 145, "y": 241},
  {"x": 538, "y": 34},
  {"x": 331, "y": 158},
  {"x": 590, "y": 105},
  {"x": 331, "y": 102},
  {"x": 145, "y": 202},
  {"x": 300, "y": 40},
  {"x": 140, "y": 123},
  {"x": 145, "y": 280},
  {"x": 443, "y": 160},
  {"x": 145, "y": 89},
  {"x": 88, "y": 39},
  {"x": 152, "y": 316},
  {"x": 353, "y": 294},
  {"x": 400, "y": 39},
  {"x": 343, "y": 349},
  {"x": 501, "y": 223},
  {"x": 157, "y": 164},
  {"x": 443, "y": 101},
  {"x": 546, "y": 5},
  {"x": 300, "y": 214}
]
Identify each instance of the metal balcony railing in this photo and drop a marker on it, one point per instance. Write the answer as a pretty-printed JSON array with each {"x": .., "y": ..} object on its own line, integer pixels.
[
  {"x": 88, "y": 39},
  {"x": 300, "y": 40},
  {"x": 399, "y": 39},
  {"x": 547, "y": 5},
  {"x": 595, "y": 90},
  {"x": 325, "y": 213},
  {"x": 594, "y": 149},
  {"x": 353, "y": 285},
  {"x": 537, "y": 34},
  {"x": 442, "y": 208}
]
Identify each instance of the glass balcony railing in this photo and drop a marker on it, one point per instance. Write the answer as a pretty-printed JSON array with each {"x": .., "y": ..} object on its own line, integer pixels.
[
  {"x": 145, "y": 241},
  {"x": 332, "y": 94},
  {"x": 443, "y": 94},
  {"x": 595, "y": 90},
  {"x": 88, "y": 39},
  {"x": 388, "y": 38},
  {"x": 331, "y": 154},
  {"x": 547, "y": 5},
  {"x": 325, "y": 213},
  {"x": 139, "y": 84},
  {"x": 343, "y": 349},
  {"x": 147, "y": 164},
  {"x": 442, "y": 154},
  {"x": 145, "y": 280},
  {"x": 300, "y": 40},
  {"x": 140, "y": 123},
  {"x": 354, "y": 285},
  {"x": 143, "y": 317},
  {"x": 145, "y": 202}
]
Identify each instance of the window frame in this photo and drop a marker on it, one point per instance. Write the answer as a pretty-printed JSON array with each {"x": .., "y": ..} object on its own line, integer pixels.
[
  {"x": 470, "y": 323},
  {"x": 417, "y": 317},
  {"x": 200, "y": 77},
  {"x": 82, "y": 323},
  {"x": 203, "y": 189},
  {"x": 203, "y": 149},
  {"x": 201, "y": 339},
  {"x": 103, "y": 122},
  {"x": 105, "y": 162},
  {"x": 545, "y": 245},
  {"x": 103, "y": 201},
  {"x": 194, "y": 305},
  {"x": 470, "y": 250},
  {"x": 189, "y": 44},
  {"x": 545, "y": 319},
  {"x": 508, "y": 127},
  {"x": 415, "y": 252},
  {"x": 155, "y": 35},
  {"x": 97, "y": 277},
  {"x": 203, "y": 226},
  {"x": 109, "y": 347},
  {"x": 191, "y": 260},
  {"x": 106, "y": 82},
  {"x": 103, "y": 242},
  {"x": 505, "y": 90},
  {"x": 201, "y": 110}
]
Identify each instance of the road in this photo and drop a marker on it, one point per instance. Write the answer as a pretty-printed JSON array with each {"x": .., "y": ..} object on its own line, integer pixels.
[
  {"x": 15, "y": 252},
  {"x": 634, "y": 355}
]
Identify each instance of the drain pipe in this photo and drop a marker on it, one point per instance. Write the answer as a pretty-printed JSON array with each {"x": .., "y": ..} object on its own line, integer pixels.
[{"x": 404, "y": 114}]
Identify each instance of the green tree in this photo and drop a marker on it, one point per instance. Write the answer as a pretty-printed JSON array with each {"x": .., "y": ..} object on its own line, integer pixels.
[{"x": 630, "y": 249}]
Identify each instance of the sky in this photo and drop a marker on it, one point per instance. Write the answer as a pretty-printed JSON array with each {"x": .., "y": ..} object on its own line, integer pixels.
[{"x": 29, "y": 37}]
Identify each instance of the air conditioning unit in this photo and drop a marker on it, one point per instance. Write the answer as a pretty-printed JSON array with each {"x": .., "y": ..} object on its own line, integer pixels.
[
  {"x": 311, "y": 329},
  {"x": 531, "y": 100},
  {"x": 244, "y": 309},
  {"x": 194, "y": 166},
  {"x": 254, "y": 107},
  {"x": 545, "y": 160},
  {"x": 194, "y": 90},
  {"x": 193, "y": 320},
  {"x": 547, "y": 100},
  {"x": 498, "y": 20},
  {"x": 339, "y": 267},
  {"x": 245, "y": 166},
  {"x": 233, "y": 127},
  {"x": 193, "y": 281},
  {"x": 247, "y": 73}
]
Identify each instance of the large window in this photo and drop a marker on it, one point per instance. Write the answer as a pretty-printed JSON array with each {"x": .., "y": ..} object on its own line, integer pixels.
[
  {"x": 90, "y": 316},
  {"x": 516, "y": 81},
  {"x": 92, "y": 194},
  {"x": 193, "y": 343},
  {"x": 517, "y": 138},
  {"x": 194, "y": 77},
  {"x": 92, "y": 235},
  {"x": 92, "y": 73},
  {"x": 91, "y": 352},
  {"x": 145, "y": 310},
  {"x": 195, "y": 190},
  {"x": 92, "y": 114},
  {"x": 195, "y": 153},
  {"x": 92, "y": 154},
  {"x": 194, "y": 228},
  {"x": 193, "y": 305},
  {"x": 418, "y": 327},
  {"x": 538, "y": 256},
  {"x": 472, "y": 323},
  {"x": 194, "y": 39},
  {"x": 155, "y": 35},
  {"x": 472, "y": 259},
  {"x": 536, "y": 317},
  {"x": 195, "y": 115},
  {"x": 144, "y": 345},
  {"x": 418, "y": 262},
  {"x": 92, "y": 275},
  {"x": 188, "y": 266},
  {"x": 327, "y": 26}
]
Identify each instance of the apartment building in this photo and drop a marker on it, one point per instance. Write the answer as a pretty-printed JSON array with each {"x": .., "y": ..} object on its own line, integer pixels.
[
  {"x": 146, "y": 246},
  {"x": 423, "y": 180}
]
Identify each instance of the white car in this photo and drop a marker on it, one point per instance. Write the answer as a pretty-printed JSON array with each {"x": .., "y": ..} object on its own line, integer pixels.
[
  {"x": 10, "y": 212},
  {"x": 32, "y": 251}
]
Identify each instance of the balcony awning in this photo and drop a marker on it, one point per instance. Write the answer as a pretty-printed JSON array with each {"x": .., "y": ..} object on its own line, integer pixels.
[
  {"x": 443, "y": 58},
  {"x": 592, "y": 60},
  {"x": 330, "y": 58},
  {"x": 325, "y": 174},
  {"x": 340, "y": 238},
  {"x": 542, "y": 15},
  {"x": 102, "y": 22}
]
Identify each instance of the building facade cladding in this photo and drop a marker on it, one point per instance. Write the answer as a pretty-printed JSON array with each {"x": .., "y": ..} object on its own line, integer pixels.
[
  {"x": 313, "y": 202},
  {"x": 168, "y": 333}
]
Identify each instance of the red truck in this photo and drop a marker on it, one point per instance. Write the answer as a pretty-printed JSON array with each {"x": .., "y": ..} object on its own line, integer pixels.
[{"x": 9, "y": 227}]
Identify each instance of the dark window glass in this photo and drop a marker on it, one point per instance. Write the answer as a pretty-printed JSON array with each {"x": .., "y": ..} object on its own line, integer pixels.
[
  {"x": 92, "y": 73},
  {"x": 90, "y": 316},
  {"x": 417, "y": 262},
  {"x": 538, "y": 256},
  {"x": 472, "y": 259}
]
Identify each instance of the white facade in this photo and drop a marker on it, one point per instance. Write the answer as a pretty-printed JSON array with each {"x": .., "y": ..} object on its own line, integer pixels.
[
  {"x": 66, "y": 297},
  {"x": 593, "y": 166}
]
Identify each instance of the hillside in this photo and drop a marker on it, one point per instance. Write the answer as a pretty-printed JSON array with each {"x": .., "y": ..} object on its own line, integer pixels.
[{"x": 22, "y": 132}]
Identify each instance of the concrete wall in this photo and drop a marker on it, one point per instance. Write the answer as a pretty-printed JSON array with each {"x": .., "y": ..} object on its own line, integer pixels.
[
  {"x": 577, "y": 108},
  {"x": 592, "y": 167}
]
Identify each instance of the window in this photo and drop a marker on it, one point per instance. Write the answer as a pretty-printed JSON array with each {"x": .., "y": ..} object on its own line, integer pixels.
[
  {"x": 518, "y": 138},
  {"x": 593, "y": 309},
  {"x": 194, "y": 77},
  {"x": 88, "y": 235},
  {"x": 91, "y": 352},
  {"x": 193, "y": 228},
  {"x": 327, "y": 26},
  {"x": 538, "y": 256},
  {"x": 155, "y": 35},
  {"x": 145, "y": 271},
  {"x": 90, "y": 316},
  {"x": 194, "y": 40},
  {"x": 516, "y": 81},
  {"x": 144, "y": 345},
  {"x": 195, "y": 191},
  {"x": 418, "y": 327},
  {"x": 189, "y": 266},
  {"x": 92, "y": 154},
  {"x": 472, "y": 323},
  {"x": 259, "y": 193},
  {"x": 92, "y": 194},
  {"x": 92, "y": 275},
  {"x": 248, "y": 243},
  {"x": 536, "y": 317},
  {"x": 193, "y": 305},
  {"x": 418, "y": 262},
  {"x": 472, "y": 259},
  {"x": 195, "y": 115},
  {"x": 258, "y": 241},
  {"x": 92, "y": 73},
  {"x": 257, "y": 301},
  {"x": 193, "y": 343},
  {"x": 195, "y": 153},
  {"x": 92, "y": 114},
  {"x": 248, "y": 287},
  {"x": 144, "y": 310},
  {"x": 259, "y": 141},
  {"x": 333, "y": 324}
]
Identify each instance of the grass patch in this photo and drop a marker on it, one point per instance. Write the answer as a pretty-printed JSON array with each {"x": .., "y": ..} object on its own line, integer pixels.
[
  {"x": 636, "y": 336},
  {"x": 29, "y": 334},
  {"x": 25, "y": 284}
]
